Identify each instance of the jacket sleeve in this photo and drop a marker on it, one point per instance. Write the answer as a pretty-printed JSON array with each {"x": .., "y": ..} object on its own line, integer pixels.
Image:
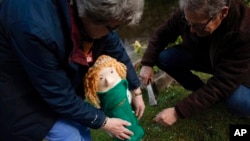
[
  {"x": 115, "y": 48},
  {"x": 38, "y": 53},
  {"x": 231, "y": 69}
]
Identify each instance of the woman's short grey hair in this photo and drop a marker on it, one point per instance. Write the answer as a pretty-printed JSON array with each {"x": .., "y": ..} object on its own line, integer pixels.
[
  {"x": 208, "y": 7},
  {"x": 102, "y": 11}
]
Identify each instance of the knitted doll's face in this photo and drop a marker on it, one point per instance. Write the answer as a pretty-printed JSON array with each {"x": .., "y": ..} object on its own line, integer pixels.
[{"x": 108, "y": 78}]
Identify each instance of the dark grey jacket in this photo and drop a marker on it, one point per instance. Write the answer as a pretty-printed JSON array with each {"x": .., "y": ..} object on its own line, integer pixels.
[{"x": 227, "y": 49}]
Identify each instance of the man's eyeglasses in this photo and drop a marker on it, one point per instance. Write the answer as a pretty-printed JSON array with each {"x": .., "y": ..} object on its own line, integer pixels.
[
  {"x": 112, "y": 29},
  {"x": 198, "y": 27}
]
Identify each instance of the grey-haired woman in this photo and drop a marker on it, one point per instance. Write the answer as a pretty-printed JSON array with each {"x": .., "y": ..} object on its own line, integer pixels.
[{"x": 46, "y": 48}]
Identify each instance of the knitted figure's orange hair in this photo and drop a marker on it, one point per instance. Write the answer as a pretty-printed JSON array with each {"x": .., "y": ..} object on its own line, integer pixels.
[{"x": 91, "y": 78}]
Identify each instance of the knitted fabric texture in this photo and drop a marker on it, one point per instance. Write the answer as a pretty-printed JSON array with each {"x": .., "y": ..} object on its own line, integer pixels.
[{"x": 115, "y": 103}]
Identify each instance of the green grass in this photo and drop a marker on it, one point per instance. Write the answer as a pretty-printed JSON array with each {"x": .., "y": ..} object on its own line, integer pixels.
[{"x": 210, "y": 125}]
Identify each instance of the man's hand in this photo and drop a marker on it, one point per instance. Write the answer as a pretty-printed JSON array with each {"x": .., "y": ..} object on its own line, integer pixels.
[
  {"x": 166, "y": 117},
  {"x": 146, "y": 74},
  {"x": 117, "y": 128}
]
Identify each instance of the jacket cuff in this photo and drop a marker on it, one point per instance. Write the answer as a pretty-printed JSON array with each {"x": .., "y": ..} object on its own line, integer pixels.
[
  {"x": 179, "y": 114},
  {"x": 98, "y": 121}
]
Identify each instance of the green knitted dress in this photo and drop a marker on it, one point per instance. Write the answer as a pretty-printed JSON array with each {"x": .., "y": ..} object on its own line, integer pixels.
[{"x": 115, "y": 103}]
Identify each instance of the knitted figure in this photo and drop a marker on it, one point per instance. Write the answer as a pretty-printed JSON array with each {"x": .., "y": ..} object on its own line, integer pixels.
[{"x": 107, "y": 88}]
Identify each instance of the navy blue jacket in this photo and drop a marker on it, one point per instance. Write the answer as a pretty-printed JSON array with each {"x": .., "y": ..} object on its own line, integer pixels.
[{"x": 38, "y": 83}]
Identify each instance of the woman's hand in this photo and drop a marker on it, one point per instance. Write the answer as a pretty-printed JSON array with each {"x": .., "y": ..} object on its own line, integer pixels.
[
  {"x": 138, "y": 102},
  {"x": 117, "y": 128}
]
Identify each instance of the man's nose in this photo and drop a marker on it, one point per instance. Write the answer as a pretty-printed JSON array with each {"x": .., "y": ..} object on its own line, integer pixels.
[{"x": 193, "y": 30}]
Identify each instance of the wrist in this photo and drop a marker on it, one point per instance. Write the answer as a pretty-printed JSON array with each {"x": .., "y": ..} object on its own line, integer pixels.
[
  {"x": 105, "y": 122},
  {"x": 136, "y": 94}
]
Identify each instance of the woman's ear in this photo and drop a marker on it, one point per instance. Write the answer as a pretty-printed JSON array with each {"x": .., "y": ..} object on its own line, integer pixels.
[{"x": 224, "y": 12}]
